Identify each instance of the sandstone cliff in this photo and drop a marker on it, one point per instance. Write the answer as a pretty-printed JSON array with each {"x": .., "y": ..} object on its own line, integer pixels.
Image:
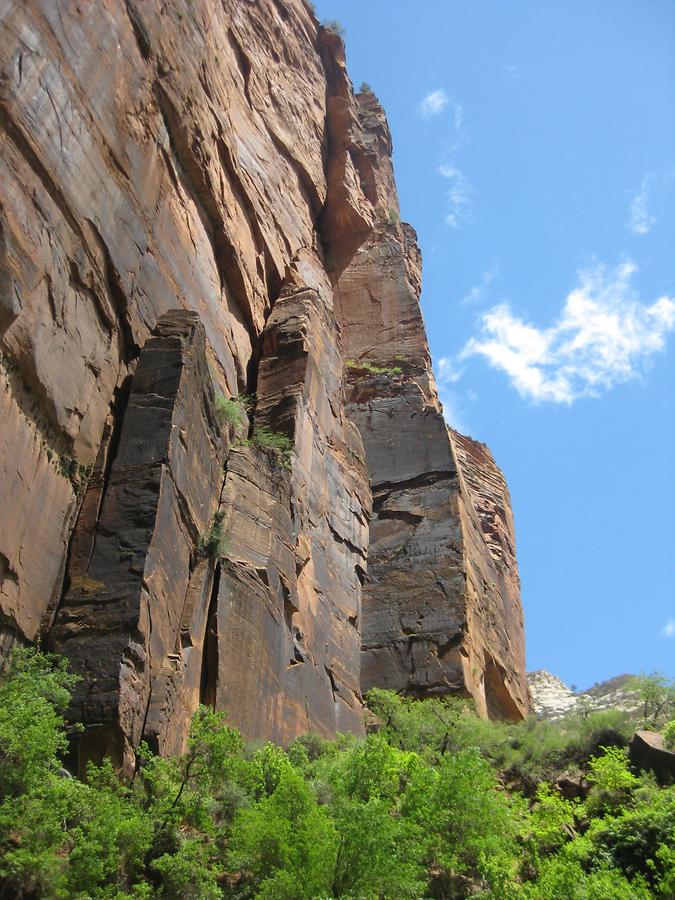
[{"x": 194, "y": 205}]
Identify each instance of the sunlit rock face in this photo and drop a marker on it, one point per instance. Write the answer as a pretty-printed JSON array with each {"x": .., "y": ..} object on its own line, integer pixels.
[
  {"x": 441, "y": 609},
  {"x": 552, "y": 698},
  {"x": 194, "y": 203}
]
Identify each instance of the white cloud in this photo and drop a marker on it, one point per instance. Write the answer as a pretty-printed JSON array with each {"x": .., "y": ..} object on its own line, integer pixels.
[
  {"x": 447, "y": 374},
  {"x": 669, "y": 629},
  {"x": 603, "y": 336},
  {"x": 641, "y": 220},
  {"x": 478, "y": 291},
  {"x": 447, "y": 371},
  {"x": 460, "y": 196},
  {"x": 433, "y": 104}
]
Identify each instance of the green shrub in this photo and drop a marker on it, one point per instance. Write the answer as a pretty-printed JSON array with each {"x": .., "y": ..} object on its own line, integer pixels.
[
  {"x": 371, "y": 369},
  {"x": 613, "y": 783},
  {"x": 669, "y": 734},
  {"x": 34, "y": 694},
  {"x": 631, "y": 840},
  {"x": 276, "y": 444},
  {"x": 213, "y": 543},
  {"x": 552, "y": 820},
  {"x": 233, "y": 410},
  {"x": 419, "y": 809},
  {"x": 657, "y": 694}
]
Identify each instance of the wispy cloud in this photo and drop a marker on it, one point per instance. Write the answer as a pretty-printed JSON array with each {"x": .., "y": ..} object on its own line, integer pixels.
[
  {"x": 447, "y": 371},
  {"x": 603, "y": 336},
  {"x": 433, "y": 104},
  {"x": 640, "y": 220},
  {"x": 447, "y": 374},
  {"x": 669, "y": 629},
  {"x": 479, "y": 291},
  {"x": 460, "y": 196}
]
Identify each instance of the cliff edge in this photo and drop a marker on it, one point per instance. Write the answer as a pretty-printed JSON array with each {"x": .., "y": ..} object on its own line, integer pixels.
[{"x": 196, "y": 209}]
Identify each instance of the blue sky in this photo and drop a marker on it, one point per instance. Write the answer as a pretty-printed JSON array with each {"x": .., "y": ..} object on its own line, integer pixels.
[{"x": 534, "y": 148}]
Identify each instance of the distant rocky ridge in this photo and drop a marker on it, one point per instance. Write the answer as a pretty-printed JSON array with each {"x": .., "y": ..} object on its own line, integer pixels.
[{"x": 552, "y": 698}]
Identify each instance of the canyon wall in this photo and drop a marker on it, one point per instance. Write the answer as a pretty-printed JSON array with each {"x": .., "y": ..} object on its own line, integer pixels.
[{"x": 195, "y": 206}]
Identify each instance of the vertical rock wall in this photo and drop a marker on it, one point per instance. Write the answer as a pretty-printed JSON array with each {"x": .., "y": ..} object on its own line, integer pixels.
[
  {"x": 193, "y": 203},
  {"x": 442, "y": 605}
]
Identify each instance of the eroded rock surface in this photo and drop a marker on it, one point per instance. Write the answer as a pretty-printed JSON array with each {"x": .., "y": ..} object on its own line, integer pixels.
[
  {"x": 442, "y": 607},
  {"x": 194, "y": 203}
]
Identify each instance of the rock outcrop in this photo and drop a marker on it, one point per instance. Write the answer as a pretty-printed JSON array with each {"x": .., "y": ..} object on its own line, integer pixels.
[
  {"x": 195, "y": 206},
  {"x": 647, "y": 750},
  {"x": 552, "y": 698}
]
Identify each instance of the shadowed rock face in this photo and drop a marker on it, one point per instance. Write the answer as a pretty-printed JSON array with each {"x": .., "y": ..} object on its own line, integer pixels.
[
  {"x": 129, "y": 610},
  {"x": 194, "y": 202}
]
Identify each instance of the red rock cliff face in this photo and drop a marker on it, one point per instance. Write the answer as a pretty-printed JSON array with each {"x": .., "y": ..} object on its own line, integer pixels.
[
  {"x": 441, "y": 609},
  {"x": 193, "y": 203}
]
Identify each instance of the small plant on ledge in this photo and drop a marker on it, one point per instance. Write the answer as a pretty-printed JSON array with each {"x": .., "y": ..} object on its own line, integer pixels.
[
  {"x": 233, "y": 410},
  {"x": 275, "y": 444},
  {"x": 365, "y": 366},
  {"x": 213, "y": 543}
]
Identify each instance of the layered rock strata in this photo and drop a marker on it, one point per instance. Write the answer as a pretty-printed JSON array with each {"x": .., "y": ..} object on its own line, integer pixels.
[
  {"x": 287, "y": 624},
  {"x": 195, "y": 205},
  {"x": 441, "y": 608}
]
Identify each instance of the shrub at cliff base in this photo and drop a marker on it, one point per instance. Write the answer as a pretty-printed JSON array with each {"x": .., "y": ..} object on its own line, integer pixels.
[{"x": 420, "y": 809}]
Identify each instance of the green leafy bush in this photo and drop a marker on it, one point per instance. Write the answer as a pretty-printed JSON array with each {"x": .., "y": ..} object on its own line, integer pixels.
[
  {"x": 275, "y": 443},
  {"x": 418, "y": 809},
  {"x": 213, "y": 543},
  {"x": 613, "y": 783},
  {"x": 669, "y": 734},
  {"x": 365, "y": 366},
  {"x": 657, "y": 694}
]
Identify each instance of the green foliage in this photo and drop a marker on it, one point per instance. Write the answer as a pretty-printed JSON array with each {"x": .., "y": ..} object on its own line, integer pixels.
[
  {"x": 365, "y": 88},
  {"x": 233, "y": 410},
  {"x": 276, "y": 444},
  {"x": 631, "y": 840},
  {"x": 561, "y": 878},
  {"x": 669, "y": 734},
  {"x": 362, "y": 365},
  {"x": 34, "y": 694},
  {"x": 393, "y": 217},
  {"x": 418, "y": 809},
  {"x": 286, "y": 843},
  {"x": 613, "y": 783},
  {"x": 213, "y": 543},
  {"x": 77, "y": 473},
  {"x": 552, "y": 820},
  {"x": 657, "y": 693}
]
